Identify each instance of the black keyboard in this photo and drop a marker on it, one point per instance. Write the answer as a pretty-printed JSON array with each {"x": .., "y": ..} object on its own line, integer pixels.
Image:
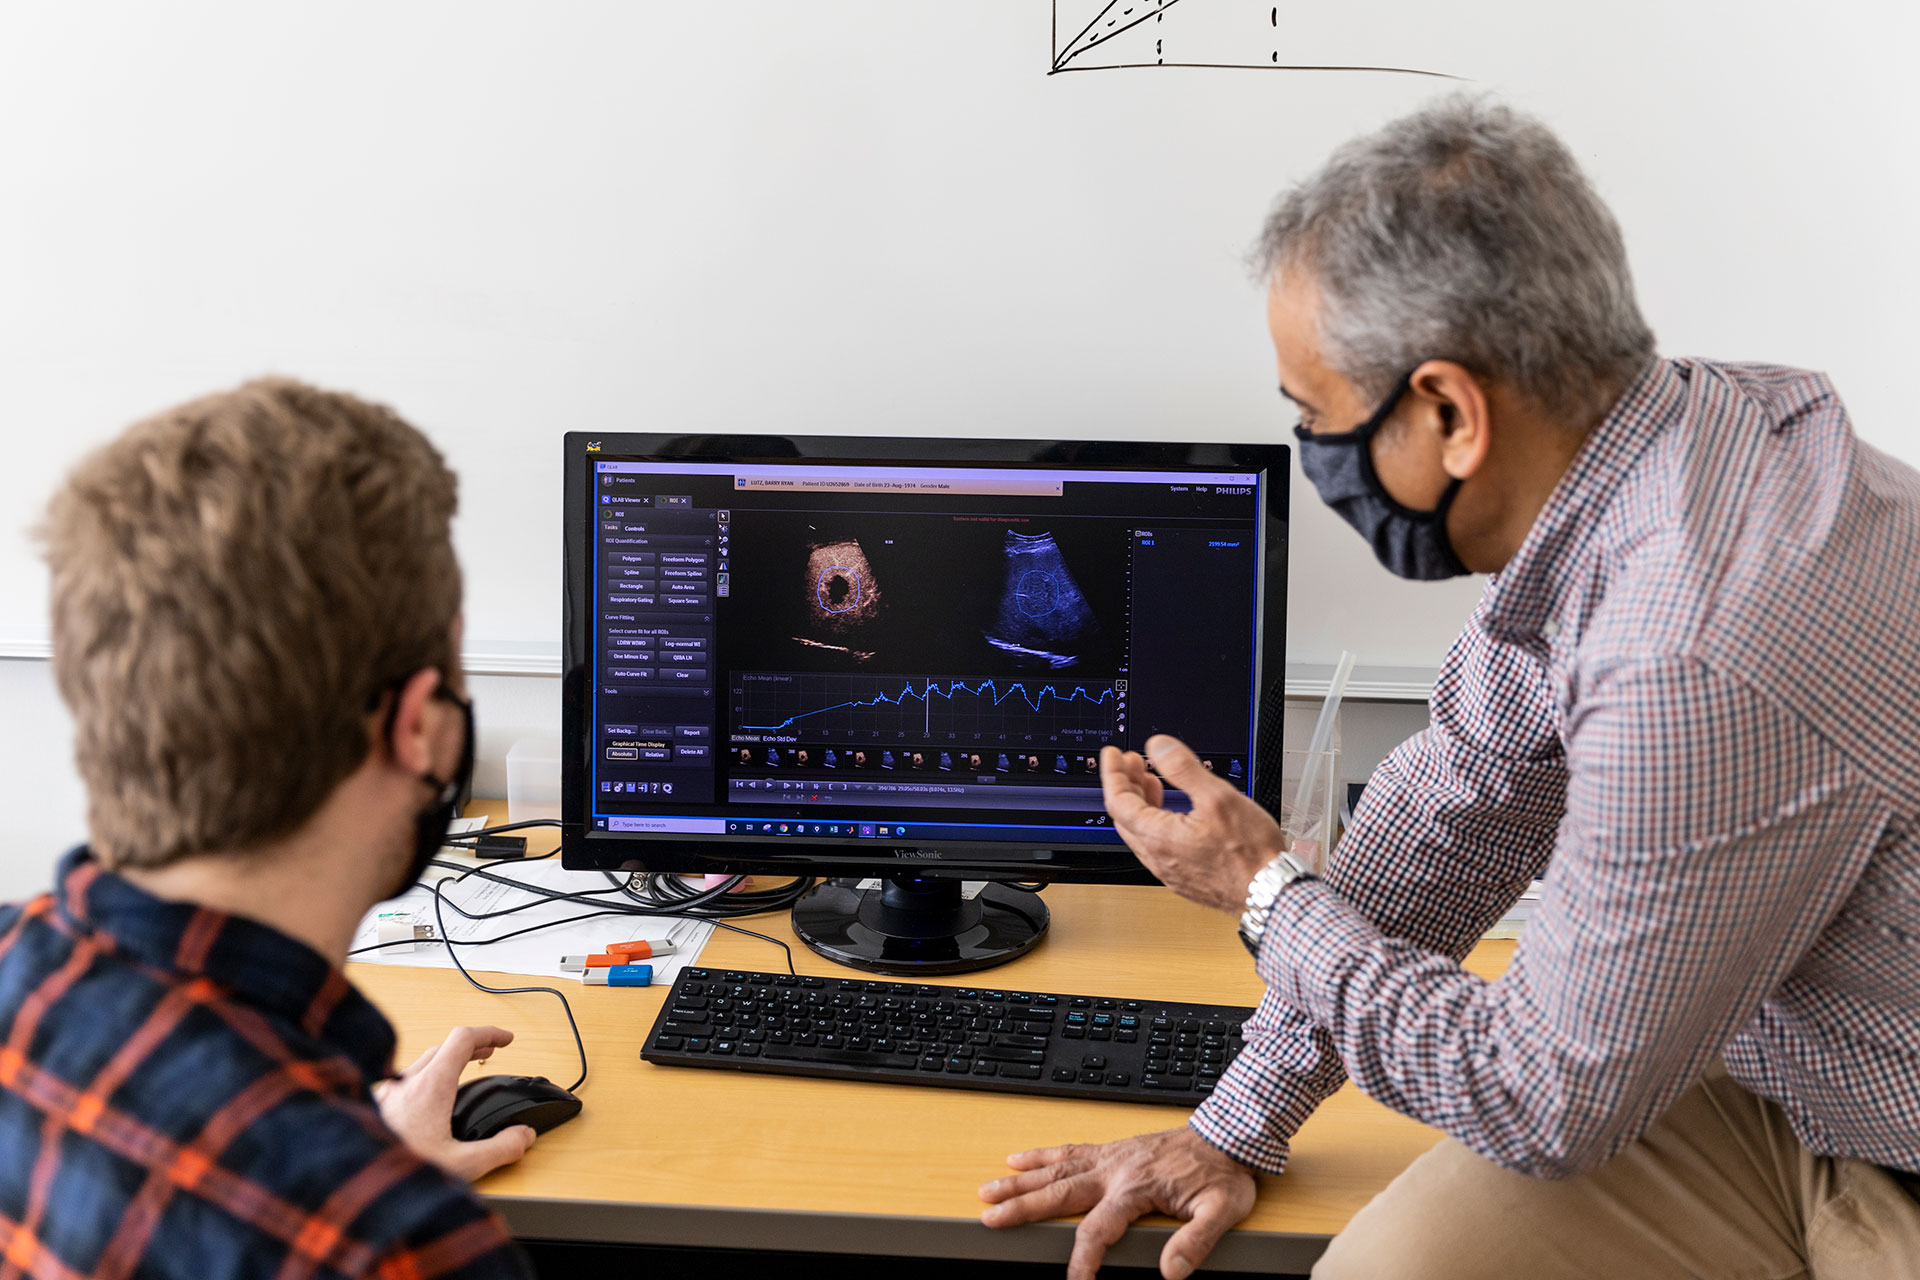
[{"x": 954, "y": 1037}]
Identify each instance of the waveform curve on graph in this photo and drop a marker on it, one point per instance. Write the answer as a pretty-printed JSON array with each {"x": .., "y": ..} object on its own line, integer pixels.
[{"x": 932, "y": 690}]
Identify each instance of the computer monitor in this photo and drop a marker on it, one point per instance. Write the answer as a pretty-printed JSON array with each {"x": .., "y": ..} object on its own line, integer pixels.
[{"x": 899, "y": 659}]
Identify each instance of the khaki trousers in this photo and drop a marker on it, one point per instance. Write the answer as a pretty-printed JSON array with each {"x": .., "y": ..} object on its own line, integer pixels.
[{"x": 1719, "y": 1188}]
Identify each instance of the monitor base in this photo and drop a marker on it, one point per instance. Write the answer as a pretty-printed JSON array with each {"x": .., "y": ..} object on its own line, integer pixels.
[{"x": 912, "y": 924}]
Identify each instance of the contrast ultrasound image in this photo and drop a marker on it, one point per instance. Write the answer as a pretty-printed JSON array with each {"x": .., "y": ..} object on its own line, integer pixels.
[
  {"x": 1043, "y": 615},
  {"x": 843, "y": 598},
  {"x": 941, "y": 593}
]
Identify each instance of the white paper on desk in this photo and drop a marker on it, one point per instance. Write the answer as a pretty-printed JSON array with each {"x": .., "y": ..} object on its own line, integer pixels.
[{"x": 537, "y": 953}]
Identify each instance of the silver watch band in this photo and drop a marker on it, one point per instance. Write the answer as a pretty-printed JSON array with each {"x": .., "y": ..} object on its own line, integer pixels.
[{"x": 1264, "y": 891}]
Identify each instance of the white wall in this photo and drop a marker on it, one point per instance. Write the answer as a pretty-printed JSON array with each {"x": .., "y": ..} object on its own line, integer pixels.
[{"x": 858, "y": 216}]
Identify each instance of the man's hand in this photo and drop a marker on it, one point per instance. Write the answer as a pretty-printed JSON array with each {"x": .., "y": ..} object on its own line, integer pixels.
[
  {"x": 419, "y": 1106},
  {"x": 1175, "y": 1173},
  {"x": 1208, "y": 856}
]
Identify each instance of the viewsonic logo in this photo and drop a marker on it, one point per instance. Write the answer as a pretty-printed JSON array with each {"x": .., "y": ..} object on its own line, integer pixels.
[{"x": 918, "y": 853}]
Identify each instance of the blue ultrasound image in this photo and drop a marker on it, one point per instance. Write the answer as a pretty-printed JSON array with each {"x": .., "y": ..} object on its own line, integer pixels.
[
  {"x": 1043, "y": 616},
  {"x": 958, "y": 594}
]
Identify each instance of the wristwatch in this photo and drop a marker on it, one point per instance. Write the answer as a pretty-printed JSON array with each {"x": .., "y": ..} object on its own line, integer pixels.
[{"x": 1263, "y": 892}]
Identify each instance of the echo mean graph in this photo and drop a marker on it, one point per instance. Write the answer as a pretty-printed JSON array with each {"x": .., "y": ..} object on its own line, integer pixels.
[{"x": 930, "y": 708}]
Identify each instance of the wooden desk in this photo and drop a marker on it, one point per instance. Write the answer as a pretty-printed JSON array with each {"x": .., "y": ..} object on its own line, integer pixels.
[{"x": 719, "y": 1158}]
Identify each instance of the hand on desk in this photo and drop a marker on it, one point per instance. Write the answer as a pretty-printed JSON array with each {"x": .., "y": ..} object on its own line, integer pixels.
[
  {"x": 1175, "y": 1172},
  {"x": 419, "y": 1106},
  {"x": 1209, "y": 855}
]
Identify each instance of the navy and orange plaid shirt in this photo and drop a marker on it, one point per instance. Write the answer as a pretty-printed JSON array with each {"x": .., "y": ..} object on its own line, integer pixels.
[{"x": 186, "y": 1093}]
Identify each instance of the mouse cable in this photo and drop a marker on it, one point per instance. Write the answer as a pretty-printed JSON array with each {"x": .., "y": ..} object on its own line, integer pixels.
[{"x": 453, "y": 953}]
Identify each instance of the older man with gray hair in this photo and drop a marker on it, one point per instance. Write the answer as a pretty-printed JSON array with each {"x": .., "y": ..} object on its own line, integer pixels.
[{"x": 1686, "y": 699}]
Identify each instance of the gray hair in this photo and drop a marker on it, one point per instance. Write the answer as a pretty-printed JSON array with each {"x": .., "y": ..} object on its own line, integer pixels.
[{"x": 1464, "y": 232}]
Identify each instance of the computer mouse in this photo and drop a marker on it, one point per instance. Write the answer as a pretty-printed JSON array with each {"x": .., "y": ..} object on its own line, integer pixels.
[{"x": 487, "y": 1104}]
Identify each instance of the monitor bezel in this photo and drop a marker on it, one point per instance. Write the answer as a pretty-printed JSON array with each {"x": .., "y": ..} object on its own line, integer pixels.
[{"x": 731, "y": 854}]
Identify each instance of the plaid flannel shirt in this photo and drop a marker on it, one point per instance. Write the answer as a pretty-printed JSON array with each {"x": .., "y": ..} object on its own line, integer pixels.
[
  {"x": 1692, "y": 701},
  {"x": 187, "y": 1094}
]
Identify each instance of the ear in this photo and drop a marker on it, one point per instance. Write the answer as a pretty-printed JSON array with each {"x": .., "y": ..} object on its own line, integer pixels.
[
  {"x": 405, "y": 723},
  {"x": 1458, "y": 405}
]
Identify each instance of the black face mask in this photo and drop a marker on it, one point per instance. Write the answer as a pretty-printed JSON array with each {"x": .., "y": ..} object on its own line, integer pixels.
[
  {"x": 431, "y": 826},
  {"x": 1412, "y": 544}
]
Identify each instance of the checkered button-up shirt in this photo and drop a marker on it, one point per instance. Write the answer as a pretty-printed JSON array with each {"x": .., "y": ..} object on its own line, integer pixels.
[
  {"x": 186, "y": 1094},
  {"x": 1692, "y": 701}
]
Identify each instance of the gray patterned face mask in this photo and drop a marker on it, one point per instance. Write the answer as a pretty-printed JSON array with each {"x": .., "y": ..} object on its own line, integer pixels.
[{"x": 1412, "y": 544}]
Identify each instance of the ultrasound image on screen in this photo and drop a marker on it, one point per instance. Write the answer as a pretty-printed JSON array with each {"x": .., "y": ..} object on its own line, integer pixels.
[{"x": 966, "y": 595}]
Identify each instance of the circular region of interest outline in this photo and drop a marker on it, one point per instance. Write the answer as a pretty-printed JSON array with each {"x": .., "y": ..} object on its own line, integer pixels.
[
  {"x": 1021, "y": 595},
  {"x": 820, "y": 587}
]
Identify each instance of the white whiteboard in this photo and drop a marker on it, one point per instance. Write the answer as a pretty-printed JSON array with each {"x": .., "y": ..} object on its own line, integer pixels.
[{"x": 861, "y": 216}]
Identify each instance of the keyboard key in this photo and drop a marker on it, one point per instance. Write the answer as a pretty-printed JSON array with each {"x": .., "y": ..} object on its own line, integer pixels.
[
  {"x": 1013, "y": 1055},
  {"x": 1092, "y": 1077},
  {"x": 697, "y": 1044},
  {"x": 983, "y": 1068},
  {"x": 669, "y": 1042},
  {"x": 749, "y": 1050},
  {"x": 959, "y": 1066},
  {"x": 1119, "y": 1079},
  {"x": 723, "y": 1046},
  {"x": 1173, "y": 1084},
  {"x": 844, "y": 1057},
  {"x": 1065, "y": 1075},
  {"x": 933, "y": 1062},
  {"x": 1093, "y": 1060},
  {"x": 1074, "y": 1033},
  {"x": 1017, "y": 1071}
]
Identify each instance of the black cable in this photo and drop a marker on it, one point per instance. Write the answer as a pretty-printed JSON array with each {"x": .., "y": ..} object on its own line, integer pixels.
[
  {"x": 680, "y": 902},
  {"x": 629, "y": 890},
  {"x": 726, "y": 899},
  {"x": 453, "y": 953},
  {"x": 467, "y": 839},
  {"x": 481, "y": 942}
]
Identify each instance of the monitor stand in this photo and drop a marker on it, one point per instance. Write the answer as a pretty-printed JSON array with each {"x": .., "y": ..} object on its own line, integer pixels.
[{"x": 914, "y": 924}]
